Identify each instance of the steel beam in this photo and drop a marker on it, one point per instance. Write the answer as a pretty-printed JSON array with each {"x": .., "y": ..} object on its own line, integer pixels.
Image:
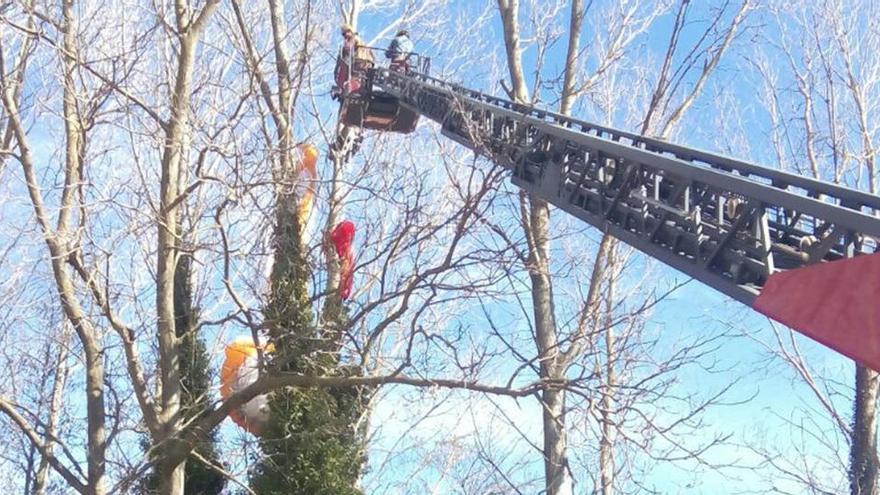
[{"x": 728, "y": 223}]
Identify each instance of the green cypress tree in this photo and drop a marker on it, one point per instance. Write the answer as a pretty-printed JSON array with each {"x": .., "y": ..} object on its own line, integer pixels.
[
  {"x": 195, "y": 377},
  {"x": 311, "y": 445},
  {"x": 195, "y": 380}
]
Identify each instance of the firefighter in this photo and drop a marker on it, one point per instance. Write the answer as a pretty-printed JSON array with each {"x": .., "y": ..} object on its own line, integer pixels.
[
  {"x": 399, "y": 50},
  {"x": 354, "y": 58}
]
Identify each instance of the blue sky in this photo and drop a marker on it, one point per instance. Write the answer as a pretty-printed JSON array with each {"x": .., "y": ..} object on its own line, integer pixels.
[
  {"x": 693, "y": 311},
  {"x": 768, "y": 388},
  {"x": 773, "y": 394}
]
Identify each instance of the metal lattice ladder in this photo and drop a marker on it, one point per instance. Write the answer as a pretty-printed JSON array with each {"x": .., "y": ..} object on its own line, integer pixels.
[{"x": 727, "y": 223}]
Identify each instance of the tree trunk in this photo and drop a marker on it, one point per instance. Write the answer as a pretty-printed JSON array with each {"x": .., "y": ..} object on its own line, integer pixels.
[
  {"x": 42, "y": 476},
  {"x": 536, "y": 221},
  {"x": 172, "y": 476},
  {"x": 863, "y": 453},
  {"x": 167, "y": 236},
  {"x": 606, "y": 443},
  {"x": 95, "y": 407},
  {"x": 556, "y": 471},
  {"x": 97, "y": 444},
  {"x": 607, "y": 412},
  {"x": 173, "y": 479}
]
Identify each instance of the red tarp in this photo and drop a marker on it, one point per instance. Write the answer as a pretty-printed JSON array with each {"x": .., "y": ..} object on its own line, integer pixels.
[{"x": 836, "y": 303}]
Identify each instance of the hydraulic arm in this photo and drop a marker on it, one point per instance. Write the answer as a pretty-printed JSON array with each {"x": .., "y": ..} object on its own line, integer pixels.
[
  {"x": 725, "y": 222},
  {"x": 760, "y": 235}
]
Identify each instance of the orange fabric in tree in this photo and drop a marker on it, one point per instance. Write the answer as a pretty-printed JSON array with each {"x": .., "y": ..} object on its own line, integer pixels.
[
  {"x": 240, "y": 370},
  {"x": 836, "y": 304},
  {"x": 307, "y": 156}
]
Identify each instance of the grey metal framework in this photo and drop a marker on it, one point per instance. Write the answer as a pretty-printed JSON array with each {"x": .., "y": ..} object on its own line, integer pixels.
[{"x": 725, "y": 222}]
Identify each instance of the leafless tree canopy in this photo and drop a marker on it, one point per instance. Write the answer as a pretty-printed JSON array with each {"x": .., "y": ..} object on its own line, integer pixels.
[{"x": 514, "y": 349}]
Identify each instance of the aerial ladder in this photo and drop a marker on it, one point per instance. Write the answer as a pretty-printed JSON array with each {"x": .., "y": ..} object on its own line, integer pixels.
[{"x": 799, "y": 250}]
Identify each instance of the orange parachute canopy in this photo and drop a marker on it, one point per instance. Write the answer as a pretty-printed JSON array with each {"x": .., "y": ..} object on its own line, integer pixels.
[
  {"x": 307, "y": 157},
  {"x": 240, "y": 369}
]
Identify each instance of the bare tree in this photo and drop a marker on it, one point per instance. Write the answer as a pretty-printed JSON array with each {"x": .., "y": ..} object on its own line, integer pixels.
[
  {"x": 818, "y": 102},
  {"x": 177, "y": 136},
  {"x": 193, "y": 151},
  {"x": 669, "y": 101},
  {"x": 38, "y": 377}
]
